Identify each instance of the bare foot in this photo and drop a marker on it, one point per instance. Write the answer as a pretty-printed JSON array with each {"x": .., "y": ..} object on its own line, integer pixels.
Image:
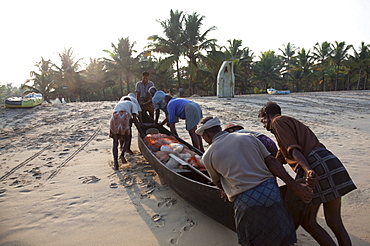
[
  {"x": 123, "y": 159},
  {"x": 130, "y": 152},
  {"x": 115, "y": 167}
]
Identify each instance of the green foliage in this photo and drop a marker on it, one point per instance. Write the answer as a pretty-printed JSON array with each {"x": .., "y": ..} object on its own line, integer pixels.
[
  {"x": 257, "y": 90},
  {"x": 9, "y": 91}
]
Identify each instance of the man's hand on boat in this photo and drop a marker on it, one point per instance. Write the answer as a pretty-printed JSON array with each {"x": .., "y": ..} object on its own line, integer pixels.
[
  {"x": 224, "y": 196},
  {"x": 311, "y": 178},
  {"x": 303, "y": 191}
]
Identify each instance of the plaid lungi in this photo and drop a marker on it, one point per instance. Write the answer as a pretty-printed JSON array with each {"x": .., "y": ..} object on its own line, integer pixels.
[
  {"x": 193, "y": 114},
  {"x": 261, "y": 217},
  {"x": 120, "y": 124},
  {"x": 334, "y": 180}
]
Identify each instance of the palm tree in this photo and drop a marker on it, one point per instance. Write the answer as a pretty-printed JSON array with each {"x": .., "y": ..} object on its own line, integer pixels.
[
  {"x": 172, "y": 43},
  {"x": 67, "y": 74},
  {"x": 194, "y": 42},
  {"x": 96, "y": 77},
  {"x": 43, "y": 80},
  {"x": 210, "y": 65},
  {"x": 349, "y": 67},
  {"x": 288, "y": 56},
  {"x": 339, "y": 54},
  {"x": 242, "y": 59},
  {"x": 362, "y": 60},
  {"x": 304, "y": 65},
  {"x": 122, "y": 62},
  {"x": 234, "y": 50},
  {"x": 322, "y": 53},
  {"x": 267, "y": 69},
  {"x": 244, "y": 70}
]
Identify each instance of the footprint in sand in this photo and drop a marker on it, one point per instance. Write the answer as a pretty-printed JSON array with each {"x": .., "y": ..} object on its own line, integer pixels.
[
  {"x": 176, "y": 238},
  {"x": 89, "y": 179},
  {"x": 168, "y": 202},
  {"x": 189, "y": 225},
  {"x": 2, "y": 192},
  {"x": 157, "y": 219},
  {"x": 49, "y": 164}
]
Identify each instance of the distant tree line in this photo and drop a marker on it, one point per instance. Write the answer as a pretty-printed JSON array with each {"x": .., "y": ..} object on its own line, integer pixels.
[{"x": 184, "y": 57}]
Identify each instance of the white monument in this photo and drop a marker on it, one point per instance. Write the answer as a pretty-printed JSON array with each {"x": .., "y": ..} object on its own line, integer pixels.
[{"x": 226, "y": 80}]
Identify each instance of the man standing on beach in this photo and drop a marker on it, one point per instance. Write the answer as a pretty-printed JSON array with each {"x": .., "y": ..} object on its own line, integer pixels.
[
  {"x": 120, "y": 128},
  {"x": 300, "y": 148},
  {"x": 187, "y": 110},
  {"x": 240, "y": 165},
  {"x": 157, "y": 99},
  {"x": 143, "y": 96}
]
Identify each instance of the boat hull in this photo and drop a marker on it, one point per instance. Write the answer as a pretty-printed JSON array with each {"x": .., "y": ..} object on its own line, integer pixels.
[
  {"x": 26, "y": 102},
  {"x": 192, "y": 187},
  {"x": 272, "y": 91}
]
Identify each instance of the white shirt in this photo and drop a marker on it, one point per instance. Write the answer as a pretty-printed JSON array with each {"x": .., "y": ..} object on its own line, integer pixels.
[
  {"x": 126, "y": 106},
  {"x": 133, "y": 99}
]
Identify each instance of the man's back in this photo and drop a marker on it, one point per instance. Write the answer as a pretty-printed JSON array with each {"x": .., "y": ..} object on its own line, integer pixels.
[
  {"x": 157, "y": 100},
  {"x": 126, "y": 106},
  {"x": 237, "y": 159},
  {"x": 176, "y": 107}
]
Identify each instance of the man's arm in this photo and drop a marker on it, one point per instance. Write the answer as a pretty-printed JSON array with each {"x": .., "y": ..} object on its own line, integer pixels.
[
  {"x": 156, "y": 117},
  {"x": 311, "y": 176},
  {"x": 223, "y": 194},
  {"x": 173, "y": 129},
  {"x": 303, "y": 191},
  {"x": 163, "y": 122},
  {"x": 137, "y": 124}
]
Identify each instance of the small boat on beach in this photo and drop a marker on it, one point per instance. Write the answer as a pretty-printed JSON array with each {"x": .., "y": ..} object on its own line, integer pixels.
[
  {"x": 194, "y": 187},
  {"x": 27, "y": 101},
  {"x": 273, "y": 91}
]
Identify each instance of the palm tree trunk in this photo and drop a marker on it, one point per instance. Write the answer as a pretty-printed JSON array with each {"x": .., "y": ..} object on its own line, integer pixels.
[
  {"x": 128, "y": 83},
  {"x": 323, "y": 80},
  {"x": 365, "y": 82},
  {"x": 121, "y": 84},
  {"x": 348, "y": 79},
  {"x": 336, "y": 78},
  {"x": 359, "y": 78},
  {"x": 178, "y": 73}
]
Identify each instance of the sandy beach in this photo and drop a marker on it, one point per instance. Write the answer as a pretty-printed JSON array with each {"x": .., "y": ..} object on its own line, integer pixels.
[{"x": 57, "y": 185}]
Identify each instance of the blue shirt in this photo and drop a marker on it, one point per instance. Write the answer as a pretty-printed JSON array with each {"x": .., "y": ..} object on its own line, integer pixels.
[
  {"x": 176, "y": 107},
  {"x": 157, "y": 100}
]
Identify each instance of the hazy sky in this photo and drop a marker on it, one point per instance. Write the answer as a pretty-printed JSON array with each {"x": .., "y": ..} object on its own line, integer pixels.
[{"x": 31, "y": 29}]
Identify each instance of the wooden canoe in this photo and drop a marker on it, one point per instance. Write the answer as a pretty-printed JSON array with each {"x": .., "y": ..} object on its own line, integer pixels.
[{"x": 191, "y": 186}]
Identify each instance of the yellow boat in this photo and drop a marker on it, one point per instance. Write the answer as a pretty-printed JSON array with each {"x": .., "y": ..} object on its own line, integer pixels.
[{"x": 28, "y": 101}]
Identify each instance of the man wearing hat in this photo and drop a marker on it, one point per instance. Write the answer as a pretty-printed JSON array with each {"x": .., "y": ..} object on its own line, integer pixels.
[
  {"x": 244, "y": 170},
  {"x": 157, "y": 99}
]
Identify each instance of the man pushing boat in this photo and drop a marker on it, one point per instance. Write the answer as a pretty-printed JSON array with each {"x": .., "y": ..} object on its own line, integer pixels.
[
  {"x": 120, "y": 127},
  {"x": 240, "y": 165},
  {"x": 189, "y": 111}
]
